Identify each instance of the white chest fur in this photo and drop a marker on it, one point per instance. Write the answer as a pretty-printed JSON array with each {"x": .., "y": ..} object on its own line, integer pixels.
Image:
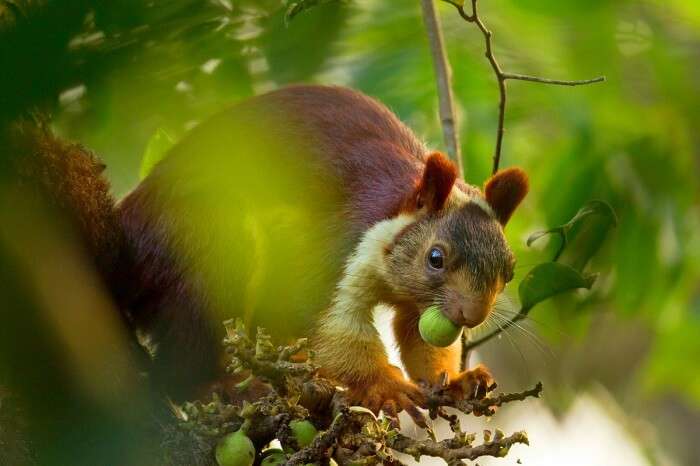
[{"x": 357, "y": 291}]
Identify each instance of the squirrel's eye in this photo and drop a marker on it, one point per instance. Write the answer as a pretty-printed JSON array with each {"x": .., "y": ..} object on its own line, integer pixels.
[{"x": 436, "y": 258}]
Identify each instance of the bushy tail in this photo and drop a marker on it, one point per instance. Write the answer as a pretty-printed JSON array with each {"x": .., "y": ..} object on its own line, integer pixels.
[{"x": 70, "y": 179}]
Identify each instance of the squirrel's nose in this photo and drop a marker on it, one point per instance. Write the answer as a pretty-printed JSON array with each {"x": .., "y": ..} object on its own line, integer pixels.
[
  {"x": 467, "y": 311},
  {"x": 476, "y": 311},
  {"x": 474, "y": 317},
  {"x": 455, "y": 314},
  {"x": 467, "y": 315}
]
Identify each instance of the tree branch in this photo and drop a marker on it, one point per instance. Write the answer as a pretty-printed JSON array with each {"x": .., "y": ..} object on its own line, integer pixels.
[
  {"x": 443, "y": 75},
  {"x": 557, "y": 82},
  {"x": 454, "y": 454},
  {"x": 502, "y": 76},
  {"x": 464, "y": 360},
  {"x": 439, "y": 396},
  {"x": 351, "y": 435}
]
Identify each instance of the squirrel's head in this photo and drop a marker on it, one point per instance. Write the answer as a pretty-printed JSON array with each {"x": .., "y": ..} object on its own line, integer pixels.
[{"x": 455, "y": 254}]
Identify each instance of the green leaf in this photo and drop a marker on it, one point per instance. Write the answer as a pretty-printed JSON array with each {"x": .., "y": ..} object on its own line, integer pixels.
[
  {"x": 297, "y": 7},
  {"x": 549, "y": 279},
  {"x": 539, "y": 234},
  {"x": 159, "y": 144},
  {"x": 586, "y": 233},
  {"x": 583, "y": 235}
]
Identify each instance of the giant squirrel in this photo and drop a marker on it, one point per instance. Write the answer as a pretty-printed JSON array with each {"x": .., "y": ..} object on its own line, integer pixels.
[{"x": 381, "y": 220}]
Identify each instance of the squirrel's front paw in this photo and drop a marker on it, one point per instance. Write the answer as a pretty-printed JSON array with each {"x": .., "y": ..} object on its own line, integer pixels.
[
  {"x": 473, "y": 384},
  {"x": 391, "y": 393}
]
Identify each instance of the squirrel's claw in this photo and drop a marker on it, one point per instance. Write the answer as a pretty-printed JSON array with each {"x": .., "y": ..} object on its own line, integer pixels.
[
  {"x": 475, "y": 383},
  {"x": 391, "y": 394}
]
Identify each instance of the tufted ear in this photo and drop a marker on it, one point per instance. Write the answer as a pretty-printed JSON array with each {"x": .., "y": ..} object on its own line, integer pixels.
[
  {"x": 504, "y": 191},
  {"x": 438, "y": 177}
]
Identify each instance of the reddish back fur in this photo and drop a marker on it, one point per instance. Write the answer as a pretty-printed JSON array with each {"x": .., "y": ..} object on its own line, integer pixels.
[{"x": 367, "y": 149}]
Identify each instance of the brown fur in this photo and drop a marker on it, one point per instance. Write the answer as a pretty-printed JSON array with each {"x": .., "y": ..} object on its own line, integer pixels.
[
  {"x": 438, "y": 178},
  {"x": 71, "y": 179},
  {"x": 505, "y": 190}
]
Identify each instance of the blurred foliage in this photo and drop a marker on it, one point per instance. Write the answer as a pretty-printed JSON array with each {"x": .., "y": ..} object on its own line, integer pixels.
[
  {"x": 113, "y": 73},
  {"x": 158, "y": 145}
]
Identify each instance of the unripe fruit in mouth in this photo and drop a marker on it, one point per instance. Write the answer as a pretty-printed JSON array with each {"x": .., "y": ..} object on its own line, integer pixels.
[
  {"x": 436, "y": 329},
  {"x": 235, "y": 449}
]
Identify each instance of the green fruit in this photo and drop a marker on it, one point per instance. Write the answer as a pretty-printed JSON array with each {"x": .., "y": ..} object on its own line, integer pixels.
[
  {"x": 235, "y": 449},
  {"x": 437, "y": 329},
  {"x": 304, "y": 432},
  {"x": 274, "y": 457}
]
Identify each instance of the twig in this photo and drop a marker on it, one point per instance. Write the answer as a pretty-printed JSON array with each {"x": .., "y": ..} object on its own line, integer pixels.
[
  {"x": 440, "y": 396},
  {"x": 502, "y": 76},
  {"x": 262, "y": 357},
  {"x": 487, "y": 406},
  {"x": 453, "y": 454},
  {"x": 557, "y": 82},
  {"x": 464, "y": 359},
  {"x": 443, "y": 75}
]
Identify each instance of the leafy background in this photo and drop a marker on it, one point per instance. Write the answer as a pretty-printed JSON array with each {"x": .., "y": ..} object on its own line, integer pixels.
[{"x": 113, "y": 75}]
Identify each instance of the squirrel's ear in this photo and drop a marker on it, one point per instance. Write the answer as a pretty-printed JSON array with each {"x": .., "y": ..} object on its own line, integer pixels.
[
  {"x": 435, "y": 186},
  {"x": 504, "y": 191}
]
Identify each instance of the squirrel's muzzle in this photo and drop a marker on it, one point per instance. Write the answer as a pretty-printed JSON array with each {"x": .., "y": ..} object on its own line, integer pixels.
[{"x": 467, "y": 311}]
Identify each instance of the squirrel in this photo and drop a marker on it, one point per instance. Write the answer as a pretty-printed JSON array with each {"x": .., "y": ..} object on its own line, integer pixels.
[{"x": 376, "y": 215}]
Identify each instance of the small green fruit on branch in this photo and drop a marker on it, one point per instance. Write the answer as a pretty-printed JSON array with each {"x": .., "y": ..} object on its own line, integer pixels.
[
  {"x": 273, "y": 457},
  {"x": 303, "y": 431},
  {"x": 235, "y": 449},
  {"x": 320, "y": 447}
]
